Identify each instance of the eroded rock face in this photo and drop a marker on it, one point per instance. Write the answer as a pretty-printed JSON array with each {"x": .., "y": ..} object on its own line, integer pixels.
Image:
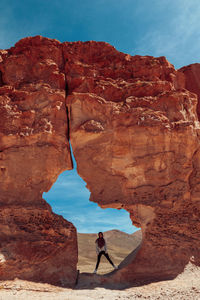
[
  {"x": 34, "y": 150},
  {"x": 134, "y": 132},
  {"x": 192, "y": 81}
]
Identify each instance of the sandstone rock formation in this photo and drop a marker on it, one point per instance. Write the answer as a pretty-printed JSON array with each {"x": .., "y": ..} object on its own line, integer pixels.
[
  {"x": 192, "y": 81},
  {"x": 134, "y": 132},
  {"x": 35, "y": 243}
]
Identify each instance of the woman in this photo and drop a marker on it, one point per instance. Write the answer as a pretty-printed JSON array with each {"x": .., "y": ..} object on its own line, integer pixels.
[{"x": 101, "y": 249}]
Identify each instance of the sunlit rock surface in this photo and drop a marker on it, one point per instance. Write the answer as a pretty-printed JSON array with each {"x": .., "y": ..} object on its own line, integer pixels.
[
  {"x": 192, "y": 81},
  {"x": 134, "y": 132},
  {"x": 34, "y": 150}
]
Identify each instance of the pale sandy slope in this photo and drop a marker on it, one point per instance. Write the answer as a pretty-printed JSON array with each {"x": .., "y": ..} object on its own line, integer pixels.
[
  {"x": 186, "y": 286},
  {"x": 119, "y": 245}
]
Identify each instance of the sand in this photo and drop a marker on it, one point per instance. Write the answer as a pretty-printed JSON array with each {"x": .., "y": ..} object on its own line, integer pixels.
[
  {"x": 185, "y": 286},
  {"x": 119, "y": 245}
]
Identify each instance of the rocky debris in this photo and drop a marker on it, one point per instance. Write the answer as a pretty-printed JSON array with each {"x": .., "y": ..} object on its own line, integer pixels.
[
  {"x": 134, "y": 132},
  {"x": 185, "y": 286}
]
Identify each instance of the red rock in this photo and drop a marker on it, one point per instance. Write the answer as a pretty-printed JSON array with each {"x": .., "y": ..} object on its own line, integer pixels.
[
  {"x": 134, "y": 132},
  {"x": 192, "y": 81},
  {"x": 34, "y": 149}
]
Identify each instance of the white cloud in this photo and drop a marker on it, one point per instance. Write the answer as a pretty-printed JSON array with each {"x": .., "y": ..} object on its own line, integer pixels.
[
  {"x": 91, "y": 218},
  {"x": 70, "y": 198},
  {"x": 178, "y": 39},
  {"x": 68, "y": 183}
]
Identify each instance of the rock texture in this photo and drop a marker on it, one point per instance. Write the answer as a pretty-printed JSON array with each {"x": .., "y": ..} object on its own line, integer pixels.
[
  {"x": 192, "y": 81},
  {"x": 34, "y": 149},
  {"x": 134, "y": 132}
]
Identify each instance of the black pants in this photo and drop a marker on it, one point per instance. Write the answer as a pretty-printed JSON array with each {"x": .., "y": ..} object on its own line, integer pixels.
[{"x": 99, "y": 258}]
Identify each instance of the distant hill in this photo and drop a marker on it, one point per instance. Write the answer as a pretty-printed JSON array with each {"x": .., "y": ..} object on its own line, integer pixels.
[{"x": 119, "y": 244}]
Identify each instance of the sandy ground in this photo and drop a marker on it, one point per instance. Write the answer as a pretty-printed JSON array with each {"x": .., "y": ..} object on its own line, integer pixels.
[
  {"x": 119, "y": 245},
  {"x": 185, "y": 286}
]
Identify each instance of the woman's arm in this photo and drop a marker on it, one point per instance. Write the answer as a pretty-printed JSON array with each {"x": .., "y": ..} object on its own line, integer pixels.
[{"x": 105, "y": 247}]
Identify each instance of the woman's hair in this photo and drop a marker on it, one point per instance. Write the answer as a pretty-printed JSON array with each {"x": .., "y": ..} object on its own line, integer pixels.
[{"x": 100, "y": 241}]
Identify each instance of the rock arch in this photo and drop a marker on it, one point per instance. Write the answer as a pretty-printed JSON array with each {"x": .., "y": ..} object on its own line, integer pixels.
[{"x": 134, "y": 132}]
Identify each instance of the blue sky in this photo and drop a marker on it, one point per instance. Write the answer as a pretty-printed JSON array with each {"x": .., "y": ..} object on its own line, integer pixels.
[
  {"x": 70, "y": 198},
  {"x": 145, "y": 27},
  {"x": 153, "y": 27}
]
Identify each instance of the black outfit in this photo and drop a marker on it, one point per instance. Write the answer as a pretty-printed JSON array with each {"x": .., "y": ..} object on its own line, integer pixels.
[{"x": 99, "y": 258}]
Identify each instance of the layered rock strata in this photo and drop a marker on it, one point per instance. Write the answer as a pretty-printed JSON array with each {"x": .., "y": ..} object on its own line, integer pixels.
[
  {"x": 134, "y": 132},
  {"x": 35, "y": 243},
  {"x": 192, "y": 81}
]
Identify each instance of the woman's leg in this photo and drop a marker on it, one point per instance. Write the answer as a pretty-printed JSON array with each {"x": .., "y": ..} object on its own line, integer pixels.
[
  {"x": 98, "y": 259},
  {"x": 108, "y": 258}
]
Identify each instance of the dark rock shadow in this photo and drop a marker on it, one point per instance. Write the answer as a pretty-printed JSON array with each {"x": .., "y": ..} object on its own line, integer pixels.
[
  {"x": 91, "y": 281},
  {"x": 108, "y": 281}
]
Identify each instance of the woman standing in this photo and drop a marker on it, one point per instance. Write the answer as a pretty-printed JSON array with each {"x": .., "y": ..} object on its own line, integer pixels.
[{"x": 101, "y": 249}]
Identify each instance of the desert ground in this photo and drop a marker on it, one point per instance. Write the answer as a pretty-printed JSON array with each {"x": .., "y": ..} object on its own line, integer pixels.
[
  {"x": 186, "y": 286},
  {"x": 119, "y": 245}
]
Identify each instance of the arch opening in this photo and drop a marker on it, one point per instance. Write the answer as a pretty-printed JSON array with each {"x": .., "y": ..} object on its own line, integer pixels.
[{"x": 69, "y": 197}]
